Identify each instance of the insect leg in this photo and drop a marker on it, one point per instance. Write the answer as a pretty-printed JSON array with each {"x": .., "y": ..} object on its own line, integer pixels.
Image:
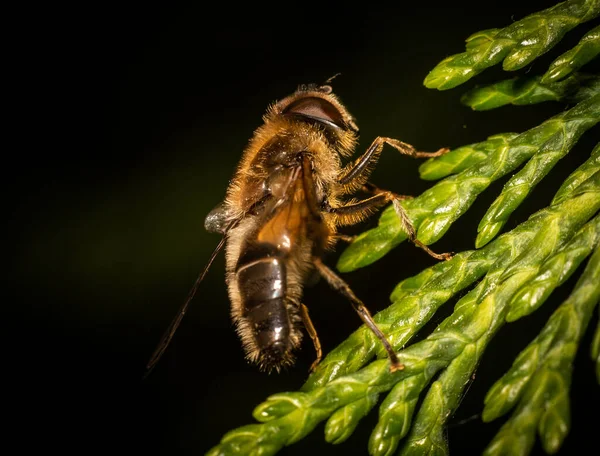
[
  {"x": 407, "y": 225},
  {"x": 343, "y": 237},
  {"x": 363, "y": 165},
  {"x": 365, "y": 205},
  {"x": 368, "y": 187},
  {"x": 308, "y": 184},
  {"x": 354, "y": 212},
  {"x": 338, "y": 284},
  {"x": 409, "y": 228},
  {"x": 312, "y": 332}
]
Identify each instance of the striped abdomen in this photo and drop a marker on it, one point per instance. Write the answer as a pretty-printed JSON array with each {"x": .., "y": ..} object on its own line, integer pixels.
[{"x": 267, "y": 315}]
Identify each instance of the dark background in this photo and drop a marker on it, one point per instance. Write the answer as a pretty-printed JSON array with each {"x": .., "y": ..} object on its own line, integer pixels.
[{"x": 135, "y": 120}]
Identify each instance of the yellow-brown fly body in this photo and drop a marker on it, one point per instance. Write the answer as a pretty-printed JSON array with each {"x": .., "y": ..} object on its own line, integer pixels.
[{"x": 281, "y": 213}]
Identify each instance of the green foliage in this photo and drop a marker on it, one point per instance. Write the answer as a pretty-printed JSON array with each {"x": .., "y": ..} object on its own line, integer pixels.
[
  {"x": 506, "y": 277},
  {"x": 525, "y": 91},
  {"x": 434, "y": 211},
  {"x": 545, "y": 157},
  {"x": 518, "y": 45},
  {"x": 587, "y": 49},
  {"x": 538, "y": 382},
  {"x": 344, "y": 394}
]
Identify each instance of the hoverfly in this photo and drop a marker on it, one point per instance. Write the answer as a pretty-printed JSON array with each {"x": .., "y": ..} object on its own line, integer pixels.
[{"x": 282, "y": 212}]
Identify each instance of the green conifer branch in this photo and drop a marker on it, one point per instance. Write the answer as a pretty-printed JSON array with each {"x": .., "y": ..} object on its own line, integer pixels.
[
  {"x": 515, "y": 273},
  {"x": 556, "y": 270},
  {"x": 286, "y": 418},
  {"x": 342, "y": 423},
  {"x": 539, "y": 380},
  {"x": 464, "y": 157},
  {"x": 531, "y": 90},
  {"x": 289, "y": 417},
  {"x": 416, "y": 299},
  {"x": 521, "y": 184},
  {"x": 434, "y": 211},
  {"x": 581, "y": 174},
  {"x": 443, "y": 396},
  {"x": 395, "y": 415},
  {"x": 427, "y": 435},
  {"x": 585, "y": 51},
  {"x": 516, "y": 45}
]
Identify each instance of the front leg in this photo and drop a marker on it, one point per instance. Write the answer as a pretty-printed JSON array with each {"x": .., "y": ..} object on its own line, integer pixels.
[{"x": 359, "y": 171}]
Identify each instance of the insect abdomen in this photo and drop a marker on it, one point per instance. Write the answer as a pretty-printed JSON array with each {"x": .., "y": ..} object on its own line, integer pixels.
[{"x": 262, "y": 287}]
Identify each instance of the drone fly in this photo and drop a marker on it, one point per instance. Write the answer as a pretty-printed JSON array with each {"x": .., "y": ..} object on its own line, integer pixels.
[{"x": 282, "y": 212}]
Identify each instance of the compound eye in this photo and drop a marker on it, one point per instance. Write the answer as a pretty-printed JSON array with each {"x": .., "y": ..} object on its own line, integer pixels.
[{"x": 318, "y": 109}]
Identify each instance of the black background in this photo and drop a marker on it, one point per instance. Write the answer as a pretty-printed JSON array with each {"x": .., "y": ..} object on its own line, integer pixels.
[{"x": 135, "y": 118}]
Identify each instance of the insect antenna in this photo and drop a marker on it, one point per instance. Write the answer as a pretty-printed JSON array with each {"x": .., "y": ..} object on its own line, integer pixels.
[
  {"x": 332, "y": 78},
  {"x": 326, "y": 87},
  {"x": 168, "y": 335}
]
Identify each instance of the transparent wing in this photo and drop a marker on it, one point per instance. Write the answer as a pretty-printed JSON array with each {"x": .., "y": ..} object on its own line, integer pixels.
[{"x": 168, "y": 335}]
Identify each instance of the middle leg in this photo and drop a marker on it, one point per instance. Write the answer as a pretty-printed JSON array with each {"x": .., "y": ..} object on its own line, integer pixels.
[
  {"x": 355, "y": 212},
  {"x": 407, "y": 225}
]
